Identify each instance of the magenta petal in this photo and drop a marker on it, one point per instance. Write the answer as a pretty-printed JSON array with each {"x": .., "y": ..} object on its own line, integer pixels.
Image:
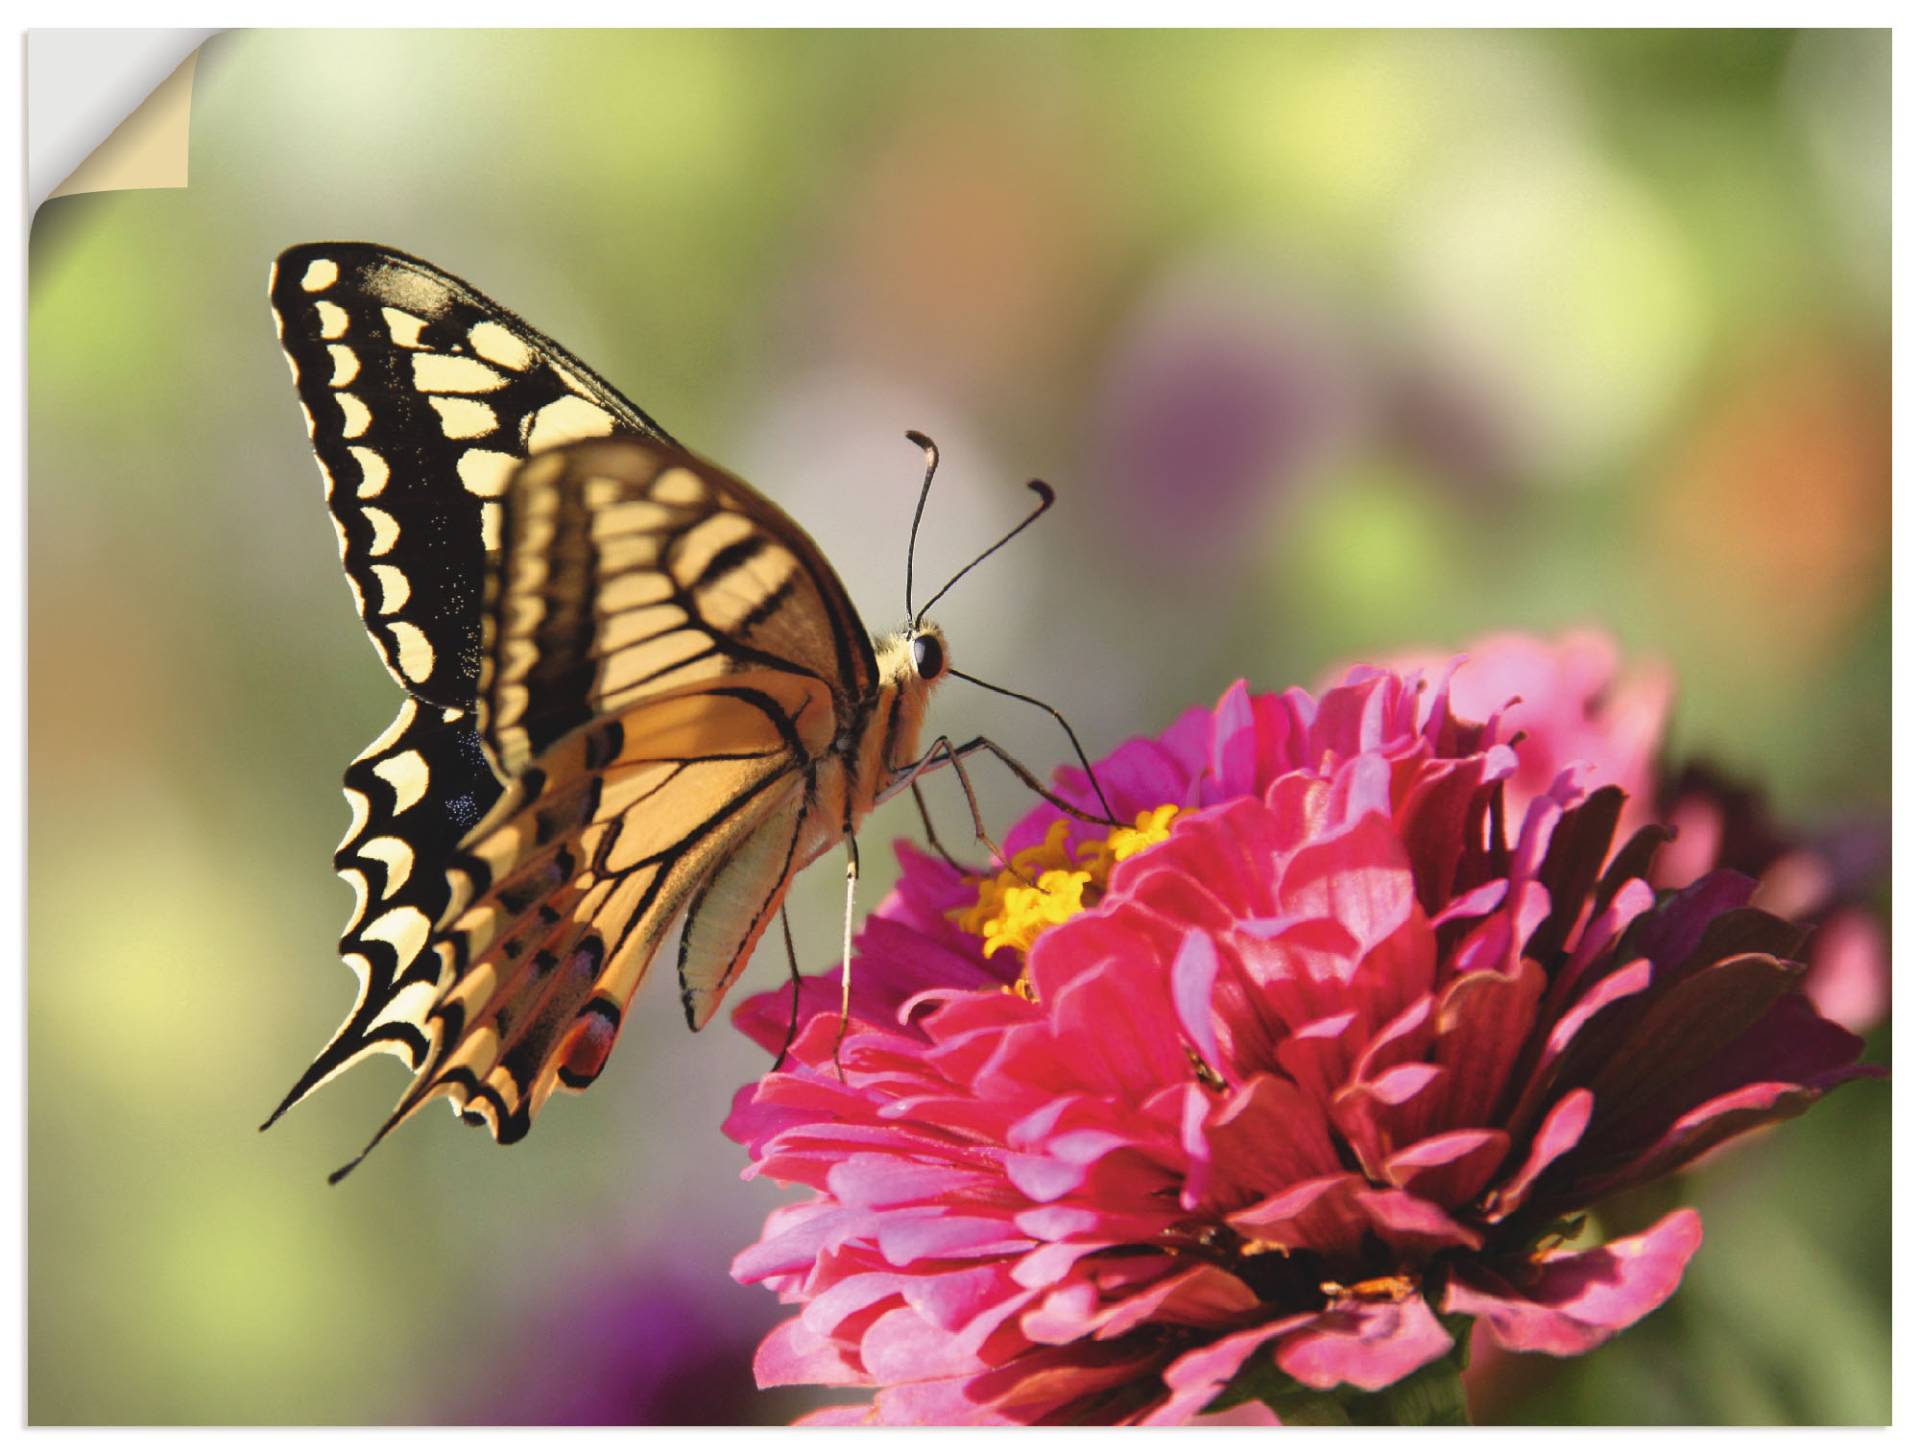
[
  {"x": 1450, "y": 1168},
  {"x": 901, "y": 1346},
  {"x": 793, "y": 1353},
  {"x": 1559, "y": 1132},
  {"x": 1571, "y": 1302},
  {"x": 903, "y": 1241},
  {"x": 1194, "y": 968},
  {"x": 1368, "y": 1344},
  {"x": 1409, "y": 1223},
  {"x": 1198, "y": 1377}
]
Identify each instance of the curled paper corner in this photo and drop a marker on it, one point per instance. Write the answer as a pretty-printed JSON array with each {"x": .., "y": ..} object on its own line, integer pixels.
[{"x": 148, "y": 149}]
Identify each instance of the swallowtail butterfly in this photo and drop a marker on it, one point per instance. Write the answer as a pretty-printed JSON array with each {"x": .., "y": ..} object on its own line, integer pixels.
[{"x": 634, "y": 687}]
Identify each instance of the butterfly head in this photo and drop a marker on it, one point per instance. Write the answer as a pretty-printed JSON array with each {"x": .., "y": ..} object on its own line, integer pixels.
[
  {"x": 914, "y": 659},
  {"x": 928, "y": 649}
]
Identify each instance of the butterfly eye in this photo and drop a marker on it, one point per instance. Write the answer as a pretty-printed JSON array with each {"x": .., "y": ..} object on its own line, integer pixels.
[{"x": 928, "y": 658}]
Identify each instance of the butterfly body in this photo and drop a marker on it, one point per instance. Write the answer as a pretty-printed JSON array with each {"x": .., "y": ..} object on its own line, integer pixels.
[{"x": 636, "y": 690}]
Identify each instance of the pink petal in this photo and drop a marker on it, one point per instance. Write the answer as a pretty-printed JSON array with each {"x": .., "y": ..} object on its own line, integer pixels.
[
  {"x": 1559, "y": 1133},
  {"x": 793, "y": 1353},
  {"x": 1368, "y": 1344},
  {"x": 1194, "y": 968},
  {"x": 1568, "y": 1303}
]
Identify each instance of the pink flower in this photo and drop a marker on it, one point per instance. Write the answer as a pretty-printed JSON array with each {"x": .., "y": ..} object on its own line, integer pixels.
[
  {"x": 1569, "y": 701},
  {"x": 1289, "y": 1081}
]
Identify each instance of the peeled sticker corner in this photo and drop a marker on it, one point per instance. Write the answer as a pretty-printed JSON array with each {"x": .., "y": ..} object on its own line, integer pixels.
[{"x": 146, "y": 150}]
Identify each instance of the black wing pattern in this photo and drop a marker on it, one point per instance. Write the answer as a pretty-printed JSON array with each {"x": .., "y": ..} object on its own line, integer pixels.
[
  {"x": 415, "y": 793},
  {"x": 422, "y": 396}
]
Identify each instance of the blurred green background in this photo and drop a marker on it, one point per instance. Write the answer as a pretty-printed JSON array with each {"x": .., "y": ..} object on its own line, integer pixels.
[{"x": 1334, "y": 343}]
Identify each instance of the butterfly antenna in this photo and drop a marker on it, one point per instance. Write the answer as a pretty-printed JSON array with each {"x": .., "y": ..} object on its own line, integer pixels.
[
  {"x": 1058, "y": 716},
  {"x": 913, "y": 536},
  {"x": 1040, "y": 488}
]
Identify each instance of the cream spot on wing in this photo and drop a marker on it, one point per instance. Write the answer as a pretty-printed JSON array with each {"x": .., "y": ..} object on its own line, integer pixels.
[
  {"x": 459, "y": 890},
  {"x": 410, "y": 1006},
  {"x": 440, "y": 373},
  {"x": 565, "y": 420},
  {"x": 485, "y": 472},
  {"x": 477, "y": 1053},
  {"x": 491, "y": 516},
  {"x": 293, "y": 369},
  {"x": 464, "y": 418},
  {"x": 623, "y": 628},
  {"x": 680, "y": 486},
  {"x": 625, "y": 668},
  {"x": 361, "y": 810},
  {"x": 386, "y": 530},
  {"x": 357, "y": 881},
  {"x": 406, "y": 773},
  {"x": 346, "y": 365},
  {"x": 359, "y": 601},
  {"x": 499, "y": 345},
  {"x": 306, "y": 414},
  {"x": 700, "y": 546},
  {"x": 567, "y": 378},
  {"x": 322, "y": 273},
  {"x": 373, "y": 471},
  {"x": 628, "y": 552},
  {"x": 354, "y": 414},
  {"x": 396, "y": 854},
  {"x": 475, "y": 989},
  {"x": 339, "y": 530},
  {"x": 409, "y": 709},
  {"x": 403, "y": 328},
  {"x": 641, "y": 588},
  {"x": 333, "y": 319},
  {"x": 633, "y": 517},
  {"x": 394, "y": 588},
  {"x": 326, "y": 476},
  {"x": 416, "y": 652}
]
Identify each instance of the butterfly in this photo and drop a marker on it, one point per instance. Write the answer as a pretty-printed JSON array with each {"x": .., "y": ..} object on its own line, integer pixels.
[{"x": 634, "y": 688}]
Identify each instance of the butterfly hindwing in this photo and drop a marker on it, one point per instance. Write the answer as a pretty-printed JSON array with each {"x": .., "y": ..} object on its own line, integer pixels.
[
  {"x": 415, "y": 793},
  {"x": 422, "y": 397},
  {"x": 562, "y": 895}
]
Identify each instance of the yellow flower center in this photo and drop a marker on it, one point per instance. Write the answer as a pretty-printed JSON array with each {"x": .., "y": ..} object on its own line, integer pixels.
[{"x": 1048, "y": 884}]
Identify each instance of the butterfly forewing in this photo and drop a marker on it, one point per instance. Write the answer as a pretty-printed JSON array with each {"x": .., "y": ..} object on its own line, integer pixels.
[
  {"x": 631, "y": 570},
  {"x": 422, "y": 397}
]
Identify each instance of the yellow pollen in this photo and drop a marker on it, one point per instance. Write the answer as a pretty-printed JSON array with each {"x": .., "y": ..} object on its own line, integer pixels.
[{"x": 1048, "y": 885}]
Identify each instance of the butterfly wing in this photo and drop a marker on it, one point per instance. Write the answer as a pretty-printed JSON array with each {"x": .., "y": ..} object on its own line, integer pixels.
[
  {"x": 416, "y": 792},
  {"x": 398, "y": 366},
  {"x": 668, "y": 663},
  {"x": 422, "y": 396}
]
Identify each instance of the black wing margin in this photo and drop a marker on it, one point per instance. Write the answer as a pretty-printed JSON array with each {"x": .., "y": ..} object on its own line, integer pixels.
[
  {"x": 422, "y": 396},
  {"x": 415, "y": 793}
]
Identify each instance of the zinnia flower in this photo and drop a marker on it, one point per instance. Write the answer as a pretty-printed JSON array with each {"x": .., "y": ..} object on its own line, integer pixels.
[{"x": 1271, "y": 1092}]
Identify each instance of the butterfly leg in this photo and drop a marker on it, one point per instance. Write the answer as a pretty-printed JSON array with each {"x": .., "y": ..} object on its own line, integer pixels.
[
  {"x": 793, "y": 972},
  {"x": 942, "y": 749},
  {"x": 846, "y": 955},
  {"x": 933, "y": 838}
]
